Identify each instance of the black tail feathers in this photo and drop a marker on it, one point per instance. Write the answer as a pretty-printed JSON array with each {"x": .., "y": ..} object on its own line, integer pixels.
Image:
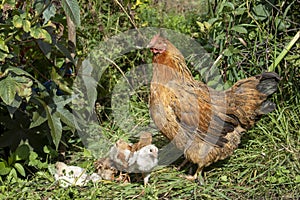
[{"x": 268, "y": 83}]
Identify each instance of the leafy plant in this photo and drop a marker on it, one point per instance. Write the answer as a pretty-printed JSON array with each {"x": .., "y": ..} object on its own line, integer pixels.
[
  {"x": 32, "y": 50},
  {"x": 12, "y": 166}
]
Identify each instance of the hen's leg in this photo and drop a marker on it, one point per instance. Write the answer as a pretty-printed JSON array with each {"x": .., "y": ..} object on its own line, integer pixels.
[
  {"x": 197, "y": 176},
  {"x": 146, "y": 177},
  {"x": 182, "y": 164}
]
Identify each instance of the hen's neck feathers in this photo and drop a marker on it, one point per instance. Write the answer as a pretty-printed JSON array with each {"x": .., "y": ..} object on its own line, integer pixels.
[{"x": 170, "y": 65}]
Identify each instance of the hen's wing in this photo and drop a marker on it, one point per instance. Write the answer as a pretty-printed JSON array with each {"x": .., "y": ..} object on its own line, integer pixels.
[{"x": 197, "y": 113}]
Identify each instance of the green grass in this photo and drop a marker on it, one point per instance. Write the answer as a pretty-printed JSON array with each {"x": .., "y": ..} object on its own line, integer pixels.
[{"x": 265, "y": 166}]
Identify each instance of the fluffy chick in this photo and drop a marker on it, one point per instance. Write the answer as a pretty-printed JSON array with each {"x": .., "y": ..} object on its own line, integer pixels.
[
  {"x": 119, "y": 155},
  {"x": 145, "y": 139},
  {"x": 105, "y": 169},
  {"x": 143, "y": 161}
]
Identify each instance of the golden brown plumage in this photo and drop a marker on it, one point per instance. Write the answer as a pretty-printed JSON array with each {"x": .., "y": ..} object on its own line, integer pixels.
[{"x": 205, "y": 124}]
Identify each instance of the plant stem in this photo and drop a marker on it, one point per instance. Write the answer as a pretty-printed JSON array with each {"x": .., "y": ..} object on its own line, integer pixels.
[{"x": 284, "y": 52}]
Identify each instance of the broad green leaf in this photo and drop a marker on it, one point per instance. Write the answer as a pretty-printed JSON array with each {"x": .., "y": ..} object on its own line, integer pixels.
[
  {"x": 14, "y": 105},
  {"x": 48, "y": 13},
  {"x": 239, "y": 29},
  {"x": 4, "y": 170},
  {"x": 39, "y": 33},
  {"x": 54, "y": 123},
  {"x": 45, "y": 47},
  {"x": 55, "y": 127},
  {"x": 34, "y": 161},
  {"x": 24, "y": 86},
  {"x": 71, "y": 8},
  {"x": 65, "y": 51},
  {"x": 38, "y": 6},
  {"x": 8, "y": 90},
  {"x": 16, "y": 71},
  {"x": 3, "y": 46},
  {"x": 65, "y": 115},
  {"x": 281, "y": 24},
  {"x": 297, "y": 179},
  {"x": 260, "y": 12},
  {"x": 3, "y": 56},
  {"x": 12, "y": 174},
  {"x": 26, "y": 25},
  {"x": 239, "y": 11},
  {"x": 17, "y": 21},
  {"x": 20, "y": 169},
  {"x": 22, "y": 152},
  {"x": 37, "y": 120}
]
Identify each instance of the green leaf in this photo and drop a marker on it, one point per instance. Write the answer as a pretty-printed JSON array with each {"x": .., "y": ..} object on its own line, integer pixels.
[
  {"x": 260, "y": 12},
  {"x": 4, "y": 170},
  {"x": 65, "y": 115},
  {"x": 239, "y": 29},
  {"x": 38, "y": 6},
  {"x": 26, "y": 26},
  {"x": 34, "y": 161},
  {"x": 24, "y": 86},
  {"x": 22, "y": 152},
  {"x": 71, "y": 8},
  {"x": 17, "y": 71},
  {"x": 37, "y": 120},
  {"x": 12, "y": 174},
  {"x": 65, "y": 51},
  {"x": 39, "y": 33},
  {"x": 53, "y": 123},
  {"x": 3, "y": 56},
  {"x": 14, "y": 105},
  {"x": 55, "y": 127},
  {"x": 3, "y": 46},
  {"x": 239, "y": 11},
  {"x": 297, "y": 179},
  {"x": 48, "y": 13},
  {"x": 17, "y": 21},
  {"x": 20, "y": 169},
  {"x": 8, "y": 90}
]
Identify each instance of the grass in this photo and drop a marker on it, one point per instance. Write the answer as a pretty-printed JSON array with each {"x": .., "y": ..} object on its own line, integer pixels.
[{"x": 265, "y": 166}]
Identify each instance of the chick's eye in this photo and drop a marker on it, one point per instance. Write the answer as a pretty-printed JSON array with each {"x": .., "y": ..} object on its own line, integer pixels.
[{"x": 151, "y": 150}]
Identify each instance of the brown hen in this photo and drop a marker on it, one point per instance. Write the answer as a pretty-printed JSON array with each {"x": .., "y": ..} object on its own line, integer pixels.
[{"x": 204, "y": 123}]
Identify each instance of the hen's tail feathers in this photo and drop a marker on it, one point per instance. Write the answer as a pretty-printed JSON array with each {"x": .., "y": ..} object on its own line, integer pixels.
[{"x": 268, "y": 83}]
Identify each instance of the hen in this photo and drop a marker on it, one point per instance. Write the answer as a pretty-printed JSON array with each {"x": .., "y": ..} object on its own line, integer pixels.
[{"x": 204, "y": 123}]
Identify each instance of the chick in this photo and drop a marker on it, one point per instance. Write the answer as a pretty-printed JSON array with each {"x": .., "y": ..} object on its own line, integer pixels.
[
  {"x": 143, "y": 161},
  {"x": 105, "y": 169},
  {"x": 119, "y": 154},
  {"x": 145, "y": 139}
]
